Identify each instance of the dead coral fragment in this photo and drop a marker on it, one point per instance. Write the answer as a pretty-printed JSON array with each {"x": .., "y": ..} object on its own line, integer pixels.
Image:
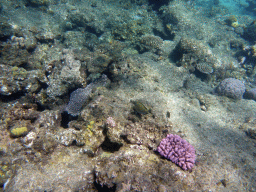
[
  {"x": 150, "y": 42},
  {"x": 196, "y": 55},
  {"x": 232, "y": 21},
  {"x": 19, "y": 73},
  {"x": 99, "y": 64}
]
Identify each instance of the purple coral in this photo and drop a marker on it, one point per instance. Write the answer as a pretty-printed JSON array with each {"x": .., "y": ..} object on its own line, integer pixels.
[
  {"x": 231, "y": 87},
  {"x": 178, "y": 150},
  {"x": 251, "y": 94}
]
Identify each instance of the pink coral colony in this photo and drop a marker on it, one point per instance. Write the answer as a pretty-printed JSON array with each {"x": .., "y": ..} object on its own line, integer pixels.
[{"x": 177, "y": 150}]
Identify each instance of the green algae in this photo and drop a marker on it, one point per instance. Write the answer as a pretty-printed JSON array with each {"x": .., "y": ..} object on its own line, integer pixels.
[{"x": 18, "y": 131}]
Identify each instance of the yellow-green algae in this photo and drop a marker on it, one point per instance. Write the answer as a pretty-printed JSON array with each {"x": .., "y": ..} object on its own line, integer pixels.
[
  {"x": 18, "y": 131},
  {"x": 90, "y": 125},
  {"x": 92, "y": 136},
  {"x": 5, "y": 173}
]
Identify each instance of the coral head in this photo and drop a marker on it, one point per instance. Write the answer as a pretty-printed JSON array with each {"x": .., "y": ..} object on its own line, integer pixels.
[{"x": 177, "y": 150}]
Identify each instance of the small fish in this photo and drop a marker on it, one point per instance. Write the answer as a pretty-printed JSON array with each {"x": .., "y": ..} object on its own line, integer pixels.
[{"x": 140, "y": 108}]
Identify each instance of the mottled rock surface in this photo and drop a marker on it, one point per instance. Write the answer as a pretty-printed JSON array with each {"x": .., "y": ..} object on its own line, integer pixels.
[{"x": 162, "y": 60}]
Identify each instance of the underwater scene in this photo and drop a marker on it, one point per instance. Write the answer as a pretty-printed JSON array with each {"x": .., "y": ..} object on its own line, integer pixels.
[{"x": 128, "y": 95}]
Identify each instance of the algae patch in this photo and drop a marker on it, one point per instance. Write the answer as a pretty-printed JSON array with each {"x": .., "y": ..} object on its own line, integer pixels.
[{"x": 19, "y": 131}]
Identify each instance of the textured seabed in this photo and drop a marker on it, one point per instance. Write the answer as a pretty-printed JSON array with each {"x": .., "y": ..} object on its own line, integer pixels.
[{"x": 161, "y": 63}]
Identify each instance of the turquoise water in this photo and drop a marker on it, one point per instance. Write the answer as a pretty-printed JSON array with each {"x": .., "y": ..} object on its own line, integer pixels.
[{"x": 236, "y": 7}]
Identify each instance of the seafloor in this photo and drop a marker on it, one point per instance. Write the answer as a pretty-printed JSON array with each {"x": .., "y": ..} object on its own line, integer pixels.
[{"x": 147, "y": 69}]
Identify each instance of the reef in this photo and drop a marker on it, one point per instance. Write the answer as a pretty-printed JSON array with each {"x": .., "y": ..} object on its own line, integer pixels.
[{"x": 106, "y": 95}]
